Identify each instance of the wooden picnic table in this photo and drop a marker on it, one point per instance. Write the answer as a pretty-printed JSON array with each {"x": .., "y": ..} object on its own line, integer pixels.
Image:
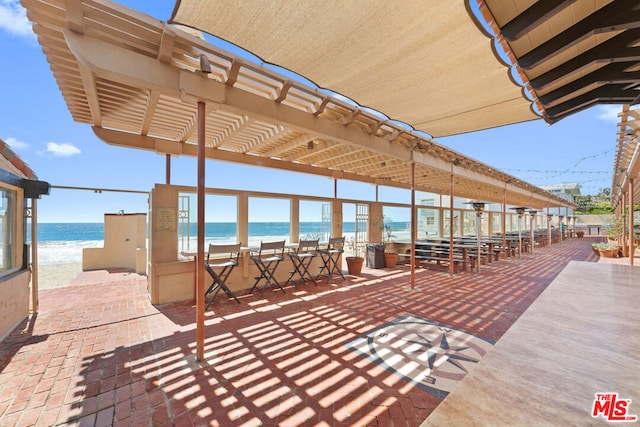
[{"x": 439, "y": 250}]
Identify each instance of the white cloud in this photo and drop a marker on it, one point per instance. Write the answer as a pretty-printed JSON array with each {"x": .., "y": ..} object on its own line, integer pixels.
[
  {"x": 13, "y": 19},
  {"x": 62, "y": 150},
  {"x": 16, "y": 145},
  {"x": 609, "y": 113}
]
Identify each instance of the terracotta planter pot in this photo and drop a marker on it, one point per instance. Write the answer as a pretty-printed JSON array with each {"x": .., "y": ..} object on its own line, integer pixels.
[
  {"x": 390, "y": 259},
  {"x": 609, "y": 253},
  {"x": 354, "y": 265}
]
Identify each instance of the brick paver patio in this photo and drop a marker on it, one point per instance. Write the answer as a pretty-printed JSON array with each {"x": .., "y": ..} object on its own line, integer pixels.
[{"x": 98, "y": 353}]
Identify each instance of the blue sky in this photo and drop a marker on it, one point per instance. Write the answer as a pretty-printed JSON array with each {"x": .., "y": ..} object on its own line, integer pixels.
[{"x": 35, "y": 122}]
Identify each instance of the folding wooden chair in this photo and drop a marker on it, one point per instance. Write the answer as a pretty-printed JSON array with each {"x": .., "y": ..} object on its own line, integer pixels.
[
  {"x": 220, "y": 269},
  {"x": 267, "y": 259},
  {"x": 331, "y": 255},
  {"x": 301, "y": 260}
]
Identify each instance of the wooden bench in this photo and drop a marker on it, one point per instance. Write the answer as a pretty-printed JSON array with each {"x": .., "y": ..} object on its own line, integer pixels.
[{"x": 438, "y": 256}]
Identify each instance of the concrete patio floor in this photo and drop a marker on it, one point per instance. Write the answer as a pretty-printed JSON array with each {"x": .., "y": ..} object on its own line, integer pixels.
[{"x": 98, "y": 353}]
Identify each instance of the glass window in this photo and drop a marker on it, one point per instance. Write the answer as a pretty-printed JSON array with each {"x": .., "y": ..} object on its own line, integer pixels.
[
  {"x": 397, "y": 223},
  {"x": 428, "y": 222},
  {"x": 496, "y": 223},
  {"x": 7, "y": 228},
  {"x": 484, "y": 224},
  {"x": 269, "y": 220},
  {"x": 315, "y": 220},
  {"x": 221, "y": 213},
  {"x": 456, "y": 223},
  {"x": 428, "y": 199},
  {"x": 469, "y": 223}
]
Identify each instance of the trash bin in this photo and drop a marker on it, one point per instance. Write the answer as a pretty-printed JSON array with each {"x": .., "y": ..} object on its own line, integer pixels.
[{"x": 375, "y": 255}]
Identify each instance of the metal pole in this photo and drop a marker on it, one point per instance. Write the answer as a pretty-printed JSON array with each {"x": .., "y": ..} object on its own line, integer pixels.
[
  {"x": 533, "y": 237},
  {"x": 200, "y": 250},
  {"x": 451, "y": 186},
  {"x": 168, "y": 169},
  {"x": 413, "y": 225},
  {"x": 34, "y": 256},
  {"x": 519, "y": 234},
  {"x": 505, "y": 252},
  {"x": 560, "y": 225},
  {"x": 478, "y": 225}
]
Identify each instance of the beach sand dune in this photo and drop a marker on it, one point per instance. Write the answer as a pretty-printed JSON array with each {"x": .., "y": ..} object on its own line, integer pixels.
[
  {"x": 54, "y": 276},
  {"x": 51, "y": 276}
]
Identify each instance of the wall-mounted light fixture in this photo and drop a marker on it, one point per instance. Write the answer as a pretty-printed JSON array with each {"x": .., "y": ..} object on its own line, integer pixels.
[{"x": 205, "y": 65}]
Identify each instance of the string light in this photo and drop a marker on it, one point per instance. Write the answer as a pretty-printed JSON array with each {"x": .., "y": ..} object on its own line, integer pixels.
[{"x": 550, "y": 176}]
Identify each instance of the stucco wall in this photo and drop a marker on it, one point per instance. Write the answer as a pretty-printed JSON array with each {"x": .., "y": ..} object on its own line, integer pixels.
[
  {"x": 124, "y": 244},
  {"x": 14, "y": 301},
  {"x": 175, "y": 281},
  {"x": 172, "y": 279}
]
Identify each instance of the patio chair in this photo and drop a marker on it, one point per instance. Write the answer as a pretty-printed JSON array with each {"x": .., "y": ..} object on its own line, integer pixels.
[
  {"x": 330, "y": 257},
  {"x": 267, "y": 259},
  {"x": 301, "y": 260},
  {"x": 220, "y": 268}
]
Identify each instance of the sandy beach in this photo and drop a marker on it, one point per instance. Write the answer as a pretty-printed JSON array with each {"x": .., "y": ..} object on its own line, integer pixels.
[{"x": 52, "y": 276}]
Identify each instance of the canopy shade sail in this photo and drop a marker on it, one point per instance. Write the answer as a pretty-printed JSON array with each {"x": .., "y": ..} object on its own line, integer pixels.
[
  {"x": 423, "y": 62},
  {"x": 432, "y": 63},
  {"x": 138, "y": 81}
]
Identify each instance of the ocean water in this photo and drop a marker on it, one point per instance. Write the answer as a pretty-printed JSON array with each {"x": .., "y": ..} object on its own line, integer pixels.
[{"x": 62, "y": 243}]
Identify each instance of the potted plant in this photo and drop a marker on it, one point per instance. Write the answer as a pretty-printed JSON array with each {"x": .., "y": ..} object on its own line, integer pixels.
[
  {"x": 616, "y": 231},
  {"x": 616, "y": 228},
  {"x": 354, "y": 256},
  {"x": 607, "y": 250},
  {"x": 390, "y": 257},
  {"x": 579, "y": 233}
]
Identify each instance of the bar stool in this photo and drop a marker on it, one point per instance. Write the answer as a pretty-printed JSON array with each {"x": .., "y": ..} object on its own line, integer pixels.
[
  {"x": 301, "y": 260},
  {"x": 267, "y": 259},
  {"x": 221, "y": 270},
  {"x": 330, "y": 257}
]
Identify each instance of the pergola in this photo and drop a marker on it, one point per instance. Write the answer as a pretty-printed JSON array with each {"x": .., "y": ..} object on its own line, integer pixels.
[
  {"x": 138, "y": 82},
  {"x": 144, "y": 84},
  {"x": 626, "y": 170}
]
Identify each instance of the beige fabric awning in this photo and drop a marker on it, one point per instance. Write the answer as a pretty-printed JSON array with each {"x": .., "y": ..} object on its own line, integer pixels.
[
  {"x": 423, "y": 62},
  {"x": 432, "y": 63}
]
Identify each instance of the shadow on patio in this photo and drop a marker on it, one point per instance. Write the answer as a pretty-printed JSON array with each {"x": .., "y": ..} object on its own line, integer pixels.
[{"x": 101, "y": 354}]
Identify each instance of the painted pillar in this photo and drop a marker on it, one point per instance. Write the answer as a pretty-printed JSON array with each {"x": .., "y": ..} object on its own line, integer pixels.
[{"x": 200, "y": 245}]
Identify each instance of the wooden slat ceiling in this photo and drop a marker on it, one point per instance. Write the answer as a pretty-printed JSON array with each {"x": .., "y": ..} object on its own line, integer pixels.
[
  {"x": 137, "y": 81},
  {"x": 573, "y": 53}
]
